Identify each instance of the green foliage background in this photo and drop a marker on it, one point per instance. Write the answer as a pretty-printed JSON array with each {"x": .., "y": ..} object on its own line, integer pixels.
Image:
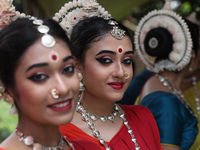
[{"x": 8, "y": 123}]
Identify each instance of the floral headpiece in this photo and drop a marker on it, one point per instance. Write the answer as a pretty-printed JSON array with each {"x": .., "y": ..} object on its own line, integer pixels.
[
  {"x": 72, "y": 12},
  {"x": 182, "y": 41},
  {"x": 8, "y": 13}
]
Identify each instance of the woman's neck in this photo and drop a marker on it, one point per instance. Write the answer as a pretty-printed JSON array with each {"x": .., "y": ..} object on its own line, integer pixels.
[
  {"x": 42, "y": 133},
  {"x": 187, "y": 80},
  {"x": 174, "y": 78},
  {"x": 96, "y": 105}
]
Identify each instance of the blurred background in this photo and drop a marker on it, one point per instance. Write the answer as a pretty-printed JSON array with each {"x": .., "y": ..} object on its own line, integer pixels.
[{"x": 128, "y": 12}]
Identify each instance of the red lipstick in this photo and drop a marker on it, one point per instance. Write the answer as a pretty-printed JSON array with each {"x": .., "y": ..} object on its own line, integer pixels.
[
  {"x": 116, "y": 85},
  {"x": 61, "y": 106}
]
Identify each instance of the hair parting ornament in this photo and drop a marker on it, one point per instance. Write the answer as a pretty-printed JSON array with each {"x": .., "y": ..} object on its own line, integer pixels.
[
  {"x": 72, "y": 12},
  {"x": 165, "y": 18},
  {"x": 47, "y": 40}
]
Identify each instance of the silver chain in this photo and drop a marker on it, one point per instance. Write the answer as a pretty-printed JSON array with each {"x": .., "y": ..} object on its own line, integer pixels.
[
  {"x": 96, "y": 133},
  {"x": 179, "y": 94}
]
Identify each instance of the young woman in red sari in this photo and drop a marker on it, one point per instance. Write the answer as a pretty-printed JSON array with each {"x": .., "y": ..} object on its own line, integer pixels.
[{"x": 104, "y": 51}]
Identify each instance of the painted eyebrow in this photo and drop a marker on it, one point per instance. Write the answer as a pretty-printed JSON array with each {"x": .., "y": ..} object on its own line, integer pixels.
[
  {"x": 111, "y": 52},
  {"x": 67, "y": 58},
  {"x": 46, "y": 64},
  {"x": 128, "y": 52},
  {"x": 37, "y": 65},
  {"x": 105, "y": 51}
]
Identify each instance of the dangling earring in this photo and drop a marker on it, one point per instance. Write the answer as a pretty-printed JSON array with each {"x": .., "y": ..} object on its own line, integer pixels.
[
  {"x": 13, "y": 110},
  {"x": 8, "y": 99},
  {"x": 82, "y": 87}
]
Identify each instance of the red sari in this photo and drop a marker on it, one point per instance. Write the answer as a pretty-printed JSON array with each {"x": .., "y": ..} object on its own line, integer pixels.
[{"x": 141, "y": 121}]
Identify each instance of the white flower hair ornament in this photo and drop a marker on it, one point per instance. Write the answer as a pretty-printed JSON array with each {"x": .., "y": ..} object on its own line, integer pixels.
[
  {"x": 7, "y": 98},
  {"x": 180, "y": 54},
  {"x": 8, "y": 13},
  {"x": 74, "y": 11}
]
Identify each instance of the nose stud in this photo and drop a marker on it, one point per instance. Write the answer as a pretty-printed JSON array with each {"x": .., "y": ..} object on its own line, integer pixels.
[
  {"x": 54, "y": 94},
  {"x": 126, "y": 75}
]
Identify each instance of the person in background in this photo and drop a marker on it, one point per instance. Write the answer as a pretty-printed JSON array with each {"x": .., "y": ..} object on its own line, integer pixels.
[
  {"x": 189, "y": 86},
  {"x": 166, "y": 42},
  {"x": 104, "y": 51},
  {"x": 133, "y": 91}
]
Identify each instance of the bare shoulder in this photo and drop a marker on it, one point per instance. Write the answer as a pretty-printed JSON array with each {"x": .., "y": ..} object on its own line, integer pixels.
[{"x": 153, "y": 85}]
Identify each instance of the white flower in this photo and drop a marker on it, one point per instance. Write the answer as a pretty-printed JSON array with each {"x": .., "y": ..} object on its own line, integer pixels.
[{"x": 6, "y": 5}]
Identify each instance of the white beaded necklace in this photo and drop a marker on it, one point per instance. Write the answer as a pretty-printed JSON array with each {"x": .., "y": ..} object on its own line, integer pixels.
[
  {"x": 29, "y": 141},
  {"x": 179, "y": 94},
  {"x": 96, "y": 133}
]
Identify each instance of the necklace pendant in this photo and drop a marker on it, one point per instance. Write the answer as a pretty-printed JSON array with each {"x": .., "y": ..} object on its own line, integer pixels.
[
  {"x": 28, "y": 140},
  {"x": 103, "y": 119},
  {"x": 91, "y": 125},
  {"x": 79, "y": 109},
  {"x": 96, "y": 133},
  {"x": 115, "y": 113},
  {"x": 94, "y": 117},
  {"x": 116, "y": 107},
  {"x": 137, "y": 148},
  {"x": 111, "y": 118},
  {"x": 37, "y": 146}
]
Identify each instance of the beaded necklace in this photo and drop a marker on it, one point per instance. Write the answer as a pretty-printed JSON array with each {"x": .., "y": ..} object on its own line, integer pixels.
[
  {"x": 29, "y": 141},
  {"x": 176, "y": 92},
  {"x": 85, "y": 116},
  {"x": 197, "y": 99}
]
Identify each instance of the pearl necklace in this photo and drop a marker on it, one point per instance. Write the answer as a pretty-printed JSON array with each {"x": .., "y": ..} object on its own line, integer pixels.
[
  {"x": 91, "y": 125},
  {"x": 29, "y": 141},
  {"x": 179, "y": 94}
]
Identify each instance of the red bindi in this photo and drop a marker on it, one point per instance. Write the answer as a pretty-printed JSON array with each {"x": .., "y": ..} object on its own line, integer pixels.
[
  {"x": 54, "y": 57},
  {"x": 120, "y": 50}
]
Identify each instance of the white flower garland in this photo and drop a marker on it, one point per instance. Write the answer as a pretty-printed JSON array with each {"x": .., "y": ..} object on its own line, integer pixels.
[
  {"x": 182, "y": 47},
  {"x": 72, "y": 12},
  {"x": 8, "y": 13}
]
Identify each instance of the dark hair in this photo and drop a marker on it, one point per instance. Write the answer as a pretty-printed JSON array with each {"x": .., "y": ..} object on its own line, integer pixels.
[
  {"x": 165, "y": 41},
  {"x": 88, "y": 31},
  {"x": 15, "y": 39}
]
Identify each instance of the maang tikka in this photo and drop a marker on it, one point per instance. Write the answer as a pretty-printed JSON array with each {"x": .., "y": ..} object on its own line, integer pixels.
[{"x": 47, "y": 40}]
